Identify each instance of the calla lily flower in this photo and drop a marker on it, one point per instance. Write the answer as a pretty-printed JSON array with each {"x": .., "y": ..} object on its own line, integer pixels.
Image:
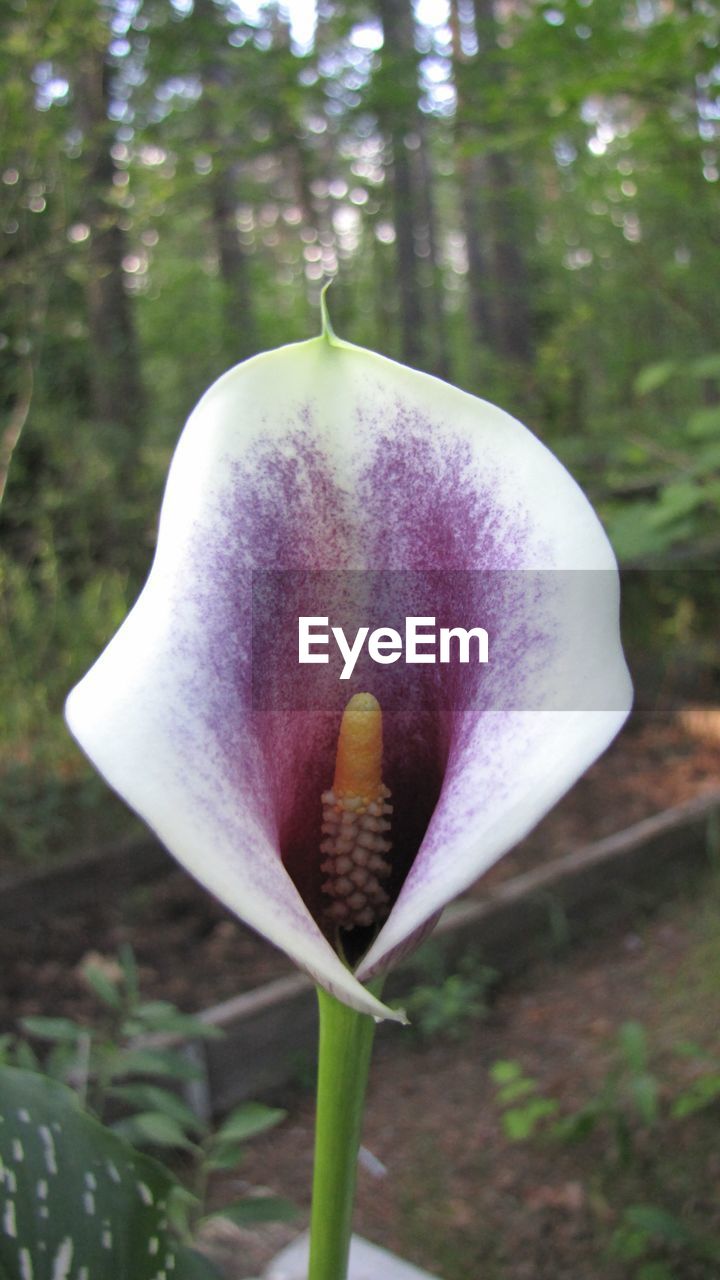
[{"x": 322, "y": 456}]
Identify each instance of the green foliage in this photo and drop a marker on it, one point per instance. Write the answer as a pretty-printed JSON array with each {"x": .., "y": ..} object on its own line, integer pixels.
[
  {"x": 49, "y": 798},
  {"x": 448, "y": 1003},
  {"x": 704, "y": 1089},
  {"x": 626, "y": 1104},
  {"x": 647, "y": 1230},
  {"x": 523, "y": 1110},
  {"x": 104, "y": 1061},
  {"x": 678, "y": 466},
  {"x": 253, "y": 1211},
  {"x": 116, "y": 1066},
  {"x": 654, "y": 1242},
  {"x": 247, "y": 1122}
]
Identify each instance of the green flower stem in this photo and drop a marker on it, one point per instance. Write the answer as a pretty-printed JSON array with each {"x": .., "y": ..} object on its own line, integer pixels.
[{"x": 346, "y": 1038}]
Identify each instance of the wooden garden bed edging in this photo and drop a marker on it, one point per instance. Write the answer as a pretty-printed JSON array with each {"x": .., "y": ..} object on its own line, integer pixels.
[
  {"x": 133, "y": 861},
  {"x": 270, "y": 1032}
]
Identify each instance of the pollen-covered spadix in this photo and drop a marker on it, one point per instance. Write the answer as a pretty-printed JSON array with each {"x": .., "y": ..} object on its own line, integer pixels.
[{"x": 325, "y": 457}]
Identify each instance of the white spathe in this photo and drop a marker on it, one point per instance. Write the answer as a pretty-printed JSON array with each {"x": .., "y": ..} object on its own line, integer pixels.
[{"x": 325, "y": 456}]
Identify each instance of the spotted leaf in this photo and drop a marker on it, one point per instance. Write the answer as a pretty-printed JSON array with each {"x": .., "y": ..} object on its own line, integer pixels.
[{"x": 76, "y": 1202}]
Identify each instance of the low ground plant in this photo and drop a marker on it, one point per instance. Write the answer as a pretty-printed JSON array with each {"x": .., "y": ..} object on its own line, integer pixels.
[
  {"x": 115, "y": 1089},
  {"x": 632, "y": 1115},
  {"x": 447, "y": 999}
]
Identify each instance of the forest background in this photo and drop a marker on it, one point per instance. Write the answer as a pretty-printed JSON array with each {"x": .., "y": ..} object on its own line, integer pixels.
[{"x": 516, "y": 195}]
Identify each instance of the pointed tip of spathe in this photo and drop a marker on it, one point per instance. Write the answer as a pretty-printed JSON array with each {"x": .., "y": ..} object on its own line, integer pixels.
[
  {"x": 398, "y": 1016},
  {"x": 327, "y": 330},
  {"x": 401, "y": 1017}
]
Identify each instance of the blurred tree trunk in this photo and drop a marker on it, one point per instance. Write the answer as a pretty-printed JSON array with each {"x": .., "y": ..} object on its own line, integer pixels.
[
  {"x": 513, "y": 325},
  {"x": 239, "y": 335},
  {"x": 397, "y": 113},
  {"x": 238, "y": 324},
  {"x": 115, "y": 379},
  {"x": 468, "y": 171},
  {"x": 498, "y": 284},
  {"x": 512, "y": 320},
  {"x": 438, "y": 359}
]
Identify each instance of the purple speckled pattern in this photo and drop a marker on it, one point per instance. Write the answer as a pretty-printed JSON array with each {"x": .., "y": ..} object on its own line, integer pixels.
[{"x": 423, "y": 508}]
